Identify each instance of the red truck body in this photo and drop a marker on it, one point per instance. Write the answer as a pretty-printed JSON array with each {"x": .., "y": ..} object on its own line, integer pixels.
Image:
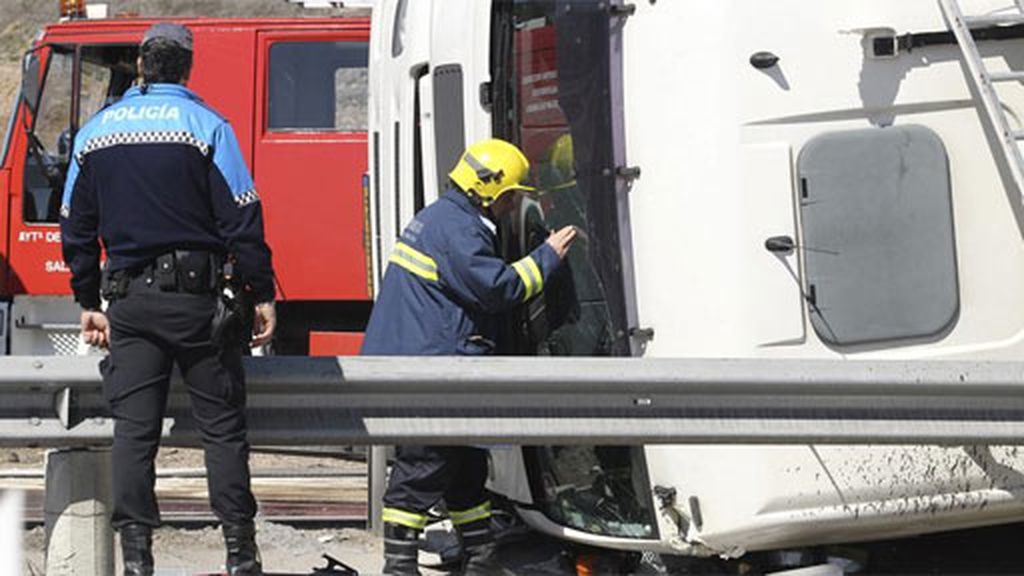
[{"x": 291, "y": 89}]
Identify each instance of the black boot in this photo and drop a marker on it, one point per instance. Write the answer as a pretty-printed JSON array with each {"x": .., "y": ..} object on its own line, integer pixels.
[
  {"x": 401, "y": 550},
  {"x": 243, "y": 556},
  {"x": 480, "y": 549},
  {"x": 137, "y": 549}
]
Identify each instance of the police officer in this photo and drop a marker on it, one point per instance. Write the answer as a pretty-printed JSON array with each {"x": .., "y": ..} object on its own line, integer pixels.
[
  {"x": 440, "y": 295},
  {"x": 159, "y": 177}
]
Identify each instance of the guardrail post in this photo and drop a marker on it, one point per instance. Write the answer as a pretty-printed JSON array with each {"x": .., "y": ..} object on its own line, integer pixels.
[
  {"x": 11, "y": 528},
  {"x": 77, "y": 507},
  {"x": 376, "y": 479}
]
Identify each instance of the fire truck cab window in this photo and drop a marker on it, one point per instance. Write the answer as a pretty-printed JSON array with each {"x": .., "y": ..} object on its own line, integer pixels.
[
  {"x": 553, "y": 97},
  {"x": 877, "y": 219},
  {"x": 318, "y": 86},
  {"x": 105, "y": 73}
]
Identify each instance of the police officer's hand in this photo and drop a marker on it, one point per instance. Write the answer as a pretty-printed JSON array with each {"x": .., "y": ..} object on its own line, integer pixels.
[
  {"x": 562, "y": 240},
  {"x": 95, "y": 329},
  {"x": 264, "y": 323}
]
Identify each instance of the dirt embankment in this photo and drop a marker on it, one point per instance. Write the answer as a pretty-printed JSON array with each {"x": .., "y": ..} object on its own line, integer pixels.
[{"x": 15, "y": 37}]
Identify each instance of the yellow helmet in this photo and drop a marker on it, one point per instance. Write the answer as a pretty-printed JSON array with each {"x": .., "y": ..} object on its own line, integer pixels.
[
  {"x": 562, "y": 156},
  {"x": 490, "y": 168},
  {"x": 562, "y": 159}
]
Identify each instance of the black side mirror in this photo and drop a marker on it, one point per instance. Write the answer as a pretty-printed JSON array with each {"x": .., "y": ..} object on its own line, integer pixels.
[{"x": 30, "y": 87}]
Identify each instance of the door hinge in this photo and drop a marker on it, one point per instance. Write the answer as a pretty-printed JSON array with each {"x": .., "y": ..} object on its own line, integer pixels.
[
  {"x": 486, "y": 96},
  {"x": 644, "y": 335},
  {"x": 812, "y": 295},
  {"x": 622, "y": 10},
  {"x": 628, "y": 172}
]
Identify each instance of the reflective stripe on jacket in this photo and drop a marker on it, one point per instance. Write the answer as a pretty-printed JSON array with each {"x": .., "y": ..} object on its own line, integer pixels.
[{"x": 445, "y": 283}]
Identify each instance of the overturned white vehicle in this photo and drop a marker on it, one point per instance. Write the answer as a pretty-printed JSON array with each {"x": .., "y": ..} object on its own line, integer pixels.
[{"x": 754, "y": 179}]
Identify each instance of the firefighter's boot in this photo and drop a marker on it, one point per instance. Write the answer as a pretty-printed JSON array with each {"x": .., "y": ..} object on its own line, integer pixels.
[
  {"x": 137, "y": 549},
  {"x": 401, "y": 550},
  {"x": 243, "y": 555},
  {"x": 480, "y": 549}
]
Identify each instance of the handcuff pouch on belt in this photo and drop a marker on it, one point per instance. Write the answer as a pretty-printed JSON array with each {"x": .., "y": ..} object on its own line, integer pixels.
[{"x": 189, "y": 271}]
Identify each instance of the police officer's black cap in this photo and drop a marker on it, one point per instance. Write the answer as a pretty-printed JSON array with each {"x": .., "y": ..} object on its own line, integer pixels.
[{"x": 170, "y": 31}]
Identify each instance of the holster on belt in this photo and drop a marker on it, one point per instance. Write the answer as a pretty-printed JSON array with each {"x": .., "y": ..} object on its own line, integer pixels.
[
  {"x": 113, "y": 285},
  {"x": 233, "y": 320}
]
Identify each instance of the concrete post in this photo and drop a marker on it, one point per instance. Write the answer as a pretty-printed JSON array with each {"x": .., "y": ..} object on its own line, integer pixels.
[
  {"x": 11, "y": 528},
  {"x": 77, "y": 507},
  {"x": 377, "y": 476}
]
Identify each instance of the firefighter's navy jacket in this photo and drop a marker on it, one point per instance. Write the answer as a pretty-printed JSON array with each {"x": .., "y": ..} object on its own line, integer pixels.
[
  {"x": 160, "y": 171},
  {"x": 445, "y": 283}
]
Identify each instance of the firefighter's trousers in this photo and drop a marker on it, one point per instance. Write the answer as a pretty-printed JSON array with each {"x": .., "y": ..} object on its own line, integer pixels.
[
  {"x": 152, "y": 330},
  {"x": 422, "y": 476}
]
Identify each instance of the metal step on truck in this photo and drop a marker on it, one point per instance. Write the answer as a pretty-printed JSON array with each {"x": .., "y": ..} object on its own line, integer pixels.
[{"x": 294, "y": 90}]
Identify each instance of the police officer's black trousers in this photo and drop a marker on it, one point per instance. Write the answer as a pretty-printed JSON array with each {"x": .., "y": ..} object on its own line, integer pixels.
[
  {"x": 151, "y": 331},
  {"x": 422, "y": 476}
]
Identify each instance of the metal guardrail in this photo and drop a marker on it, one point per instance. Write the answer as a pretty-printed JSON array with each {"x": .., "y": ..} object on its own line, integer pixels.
[{"x": 55, "y": 401}]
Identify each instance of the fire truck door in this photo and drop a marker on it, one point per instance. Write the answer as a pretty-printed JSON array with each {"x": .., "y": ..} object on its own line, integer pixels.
[
  {"x": 38, "y": 165},
  {"x": 310, "y": 155},
  {"x": 77, "y": 82}
]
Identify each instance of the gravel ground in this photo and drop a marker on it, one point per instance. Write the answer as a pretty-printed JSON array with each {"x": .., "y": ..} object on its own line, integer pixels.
[
  {"x": 285, "y": 550},
  {"x": 288, "y": 551},
  {"x": 178, "y": 458},
  {"x": 180, "y": 552},
  {"x": 22, "y": 458}
]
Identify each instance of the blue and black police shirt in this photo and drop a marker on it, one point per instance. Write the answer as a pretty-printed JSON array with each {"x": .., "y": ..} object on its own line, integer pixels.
[
  {"x": 160, "y": 171},
  {"x": 445, "y": 282}
]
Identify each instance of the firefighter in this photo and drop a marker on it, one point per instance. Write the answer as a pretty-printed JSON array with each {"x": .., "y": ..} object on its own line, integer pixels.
[
  {"x": 160, "y": 178},
  {"x": 441, "y": 293}
]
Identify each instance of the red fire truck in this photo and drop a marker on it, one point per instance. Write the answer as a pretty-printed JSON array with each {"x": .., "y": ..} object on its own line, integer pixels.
[{"x": 295, "y": 92}]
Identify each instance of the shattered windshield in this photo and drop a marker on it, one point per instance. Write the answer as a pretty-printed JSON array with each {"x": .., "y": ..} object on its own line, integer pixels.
[
  {"x": 554, "y": 99},
  {"x": 597, "y": 489}
]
